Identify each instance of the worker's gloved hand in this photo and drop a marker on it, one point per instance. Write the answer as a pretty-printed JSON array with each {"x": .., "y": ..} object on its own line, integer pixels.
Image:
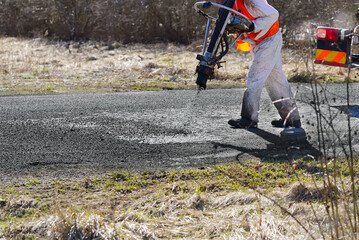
[
  {"x": 238, "y": 24},
  {"x": 251, "y": 27}
]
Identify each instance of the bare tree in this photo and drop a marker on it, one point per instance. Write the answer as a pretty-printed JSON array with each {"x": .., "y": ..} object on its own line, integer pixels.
[{"x": 75, "y": 14}]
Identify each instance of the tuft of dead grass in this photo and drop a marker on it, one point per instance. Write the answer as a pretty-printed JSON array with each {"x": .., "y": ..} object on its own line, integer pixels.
[
  {"x": 300, "y": 193},
  {"x": 82, "y": 226}
]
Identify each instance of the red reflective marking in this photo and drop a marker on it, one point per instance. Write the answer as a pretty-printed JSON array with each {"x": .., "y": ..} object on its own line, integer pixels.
[
  {"x": 339, "y": 57},
  {"x": 323, "y": 55}
]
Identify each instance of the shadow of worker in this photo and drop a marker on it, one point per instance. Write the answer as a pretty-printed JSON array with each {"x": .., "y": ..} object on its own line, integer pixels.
[
  {"x": 353, "y": 110},
  {"x": 277, "y": 149}
]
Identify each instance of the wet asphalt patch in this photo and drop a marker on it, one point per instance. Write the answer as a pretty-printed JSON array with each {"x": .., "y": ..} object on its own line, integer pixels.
[{"x": 83, "y": 133}]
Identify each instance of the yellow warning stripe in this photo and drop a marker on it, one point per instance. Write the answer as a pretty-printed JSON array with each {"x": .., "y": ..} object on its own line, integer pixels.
[{"x": 330, "y": 56}]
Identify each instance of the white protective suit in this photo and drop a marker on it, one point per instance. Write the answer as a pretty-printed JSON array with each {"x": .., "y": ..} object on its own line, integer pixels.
[{"x": 266, "y": 69}]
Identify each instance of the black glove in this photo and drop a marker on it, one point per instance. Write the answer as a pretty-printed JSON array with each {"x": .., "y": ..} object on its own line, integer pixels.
[
  {"x": 251, "y": 28},
  {"x": 239, "y": 25}
]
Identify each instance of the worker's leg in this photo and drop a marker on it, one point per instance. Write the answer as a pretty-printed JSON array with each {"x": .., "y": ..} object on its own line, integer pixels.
[
  {"x": 279, "y": 90},
  {"x": 280, "y": 93},
  {"x": 259, "y": 71}
]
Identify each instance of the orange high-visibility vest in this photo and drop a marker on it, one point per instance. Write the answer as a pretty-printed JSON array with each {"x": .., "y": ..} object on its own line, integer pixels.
[{"x": 252, "y": 35}]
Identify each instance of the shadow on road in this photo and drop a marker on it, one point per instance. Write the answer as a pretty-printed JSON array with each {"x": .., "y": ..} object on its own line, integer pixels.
[
  {"x": 353, "y": 110},
  {"x": 277, "y": 149}
]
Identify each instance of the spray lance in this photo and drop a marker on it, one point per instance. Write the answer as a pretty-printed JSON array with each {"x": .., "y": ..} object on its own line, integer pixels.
[{"x": 229, "y": 21}]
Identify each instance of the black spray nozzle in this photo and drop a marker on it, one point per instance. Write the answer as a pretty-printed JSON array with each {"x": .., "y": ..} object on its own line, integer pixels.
[
  {"x": 204, "y": 73},
  {"x": 202, "y": 81}
]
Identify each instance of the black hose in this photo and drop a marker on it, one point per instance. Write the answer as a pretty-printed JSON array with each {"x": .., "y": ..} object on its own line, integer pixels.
[
  {"x": 222, "y": 16},
  {"x": 224, "y": 50}
]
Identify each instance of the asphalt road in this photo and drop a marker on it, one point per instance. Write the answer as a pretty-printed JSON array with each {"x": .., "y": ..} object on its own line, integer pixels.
[{"x": 77, "y": 134}]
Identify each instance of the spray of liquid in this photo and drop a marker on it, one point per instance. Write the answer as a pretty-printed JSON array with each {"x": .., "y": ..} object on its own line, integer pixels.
[
  {"x": 188, "y": 119},
  {"x": 190, "y": 114}
]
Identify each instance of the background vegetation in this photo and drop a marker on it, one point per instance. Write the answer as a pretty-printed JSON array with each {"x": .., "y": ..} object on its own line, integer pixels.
[{"x": 148, "y": 21}]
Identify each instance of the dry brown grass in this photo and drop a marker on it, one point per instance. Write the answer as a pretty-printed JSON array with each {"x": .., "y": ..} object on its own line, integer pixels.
[
  {"x": 165, "y": 215},
  {"x": 185, "y": 204},
  {"x": 37, "y": 66}
]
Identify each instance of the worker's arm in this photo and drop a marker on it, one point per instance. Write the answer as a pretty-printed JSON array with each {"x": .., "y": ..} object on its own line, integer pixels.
[{"x": 266, "y": 14}]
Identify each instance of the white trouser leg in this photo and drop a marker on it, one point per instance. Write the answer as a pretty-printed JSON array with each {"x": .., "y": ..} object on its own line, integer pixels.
[
  {"x": 259, "y": 71},
  {"x": 281, "y": 95},
  {"x": 266, "y": 70},
  {"x": 279, "y": 90}
]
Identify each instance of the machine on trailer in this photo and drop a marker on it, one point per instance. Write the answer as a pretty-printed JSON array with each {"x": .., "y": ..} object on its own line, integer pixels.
[{"x": 335, "y": 47}]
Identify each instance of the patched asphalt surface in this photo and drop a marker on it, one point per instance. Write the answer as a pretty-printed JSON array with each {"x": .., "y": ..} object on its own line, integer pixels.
[{"x": 77, "y": 134}]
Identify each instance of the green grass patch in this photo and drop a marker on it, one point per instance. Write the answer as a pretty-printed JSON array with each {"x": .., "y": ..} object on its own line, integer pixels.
[{"x": 27, "y": 77}]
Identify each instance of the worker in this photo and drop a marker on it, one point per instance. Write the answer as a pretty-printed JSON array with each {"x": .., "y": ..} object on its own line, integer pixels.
[{"x": 266, "y": 69}]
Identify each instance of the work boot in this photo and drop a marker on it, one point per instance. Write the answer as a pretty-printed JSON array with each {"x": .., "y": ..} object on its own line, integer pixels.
[
  {"x": 280, "y": 123},
  {"x": 242, "y": 123}
]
